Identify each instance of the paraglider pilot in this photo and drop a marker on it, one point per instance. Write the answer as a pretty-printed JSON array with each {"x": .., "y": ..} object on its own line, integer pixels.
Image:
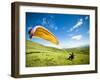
[{"x": 71, "y": 56}]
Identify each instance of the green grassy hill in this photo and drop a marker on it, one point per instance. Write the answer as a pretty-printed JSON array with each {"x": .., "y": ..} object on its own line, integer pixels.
[
  {"x": 79, "y": 50},
  {"x": 40, "y": 55}
]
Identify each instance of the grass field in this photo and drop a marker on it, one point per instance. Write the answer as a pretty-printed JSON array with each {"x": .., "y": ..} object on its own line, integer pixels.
[{"x": 38, "y": 55}]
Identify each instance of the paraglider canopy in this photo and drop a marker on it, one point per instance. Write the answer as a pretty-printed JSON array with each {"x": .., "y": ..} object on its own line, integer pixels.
[{"x": 41, "y": 32}]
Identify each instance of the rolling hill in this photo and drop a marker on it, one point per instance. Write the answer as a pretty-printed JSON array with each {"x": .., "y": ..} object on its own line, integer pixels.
[{"x": 39, "y": 55}]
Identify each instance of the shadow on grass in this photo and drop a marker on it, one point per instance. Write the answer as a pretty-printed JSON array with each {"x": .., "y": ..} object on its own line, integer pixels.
[{"x": 32, "y": 52}]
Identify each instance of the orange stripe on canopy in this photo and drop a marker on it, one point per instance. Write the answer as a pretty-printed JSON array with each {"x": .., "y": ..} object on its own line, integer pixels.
[{"x": 41, "y": 32}]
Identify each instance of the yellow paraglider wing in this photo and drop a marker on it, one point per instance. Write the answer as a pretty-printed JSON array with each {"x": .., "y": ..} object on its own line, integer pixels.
[{"x": 43, "y": 33}]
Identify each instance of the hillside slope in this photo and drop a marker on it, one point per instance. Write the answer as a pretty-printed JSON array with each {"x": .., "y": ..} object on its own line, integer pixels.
[{"x": 40, "y": 55}]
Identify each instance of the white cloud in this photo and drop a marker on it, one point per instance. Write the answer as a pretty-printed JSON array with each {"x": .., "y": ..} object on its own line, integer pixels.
[
  {"x": 70, "y": 35},
  {"x": 56, "y": 28},
  {"x": 29, "y": 28},
  {"x": 86, "y": 17},
  {"x": 44, "y": 21},
  {"x": 76, "y": 30},
  {"x": 50, "y": 23},
  {"x": 77, "y": 25},
  {"x": 51, "y": 26},
  {"x": 77, "y": 37}
]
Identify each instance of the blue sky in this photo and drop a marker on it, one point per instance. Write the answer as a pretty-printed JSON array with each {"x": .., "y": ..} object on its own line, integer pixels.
[{"x": 71, "y": 30}]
